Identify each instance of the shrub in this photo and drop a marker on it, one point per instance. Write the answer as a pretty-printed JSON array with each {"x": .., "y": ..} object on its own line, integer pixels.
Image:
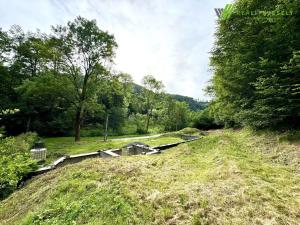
[
  {"x": 191, "y": 131},
  {"x": 91, "y": 131},
  {"x": 140, "y": 130},
  {"x": 205, "y": 121},
  {"x": 15, "y": 161}
]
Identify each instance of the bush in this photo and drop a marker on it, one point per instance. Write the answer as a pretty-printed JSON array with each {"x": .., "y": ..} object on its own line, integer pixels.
[
  {"x": 205, "y": 121},
  {"x": 191, "y": 131},
  {"x": 15, "y": 161},
  {"x": 91, "y": 131},
  {"x": 140, "y": 130}
]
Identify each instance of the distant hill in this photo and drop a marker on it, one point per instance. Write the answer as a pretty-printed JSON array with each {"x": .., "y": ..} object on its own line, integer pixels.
[
  {"x": 194, "y": 104},
  {"x": 137, "y": 88}
]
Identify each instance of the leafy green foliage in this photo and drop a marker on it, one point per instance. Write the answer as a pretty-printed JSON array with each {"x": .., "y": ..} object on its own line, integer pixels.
[
  {"x": 151, "y": 94},
  {"x": 256, "y": 67},
  {"x": 54, "y": 116},
  {"x": 84, "y": 50},
  {"x": 62, "y": 81},
  {"x": 204, "y": 120},
  {"x": 114, "y": 95},
  {"x": 15, "y": 161},
  {"x": 175, "y": 114}
]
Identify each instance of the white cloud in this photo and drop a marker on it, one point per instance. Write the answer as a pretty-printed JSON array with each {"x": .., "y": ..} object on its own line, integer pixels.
[{"x": 168, "y": 39}]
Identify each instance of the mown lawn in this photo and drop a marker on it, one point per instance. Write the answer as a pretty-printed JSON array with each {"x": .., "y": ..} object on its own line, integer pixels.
[
  {"x": 227, "y": 177},
  {"x": 60, "y": 146}
]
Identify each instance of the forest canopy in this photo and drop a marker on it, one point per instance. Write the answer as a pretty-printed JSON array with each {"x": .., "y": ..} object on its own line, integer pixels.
[
  {"x": 256, "y": 65},
  {"x": 64, "y": 83}
]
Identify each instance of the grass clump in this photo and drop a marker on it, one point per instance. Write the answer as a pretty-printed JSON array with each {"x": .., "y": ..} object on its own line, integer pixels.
[
  {"x": 222, "y": 178},
  {"x": 188, "y": 131},
  {"x": 191, "y": 131}
]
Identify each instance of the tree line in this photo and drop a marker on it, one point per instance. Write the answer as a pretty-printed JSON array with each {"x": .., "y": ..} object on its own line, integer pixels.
[
  {"x": 256, "y": 65},
  {"x": 64, "y": 80}
]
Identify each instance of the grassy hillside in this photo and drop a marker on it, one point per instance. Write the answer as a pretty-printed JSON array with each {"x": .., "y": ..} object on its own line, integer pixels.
[{"x": 224, "y": 178}]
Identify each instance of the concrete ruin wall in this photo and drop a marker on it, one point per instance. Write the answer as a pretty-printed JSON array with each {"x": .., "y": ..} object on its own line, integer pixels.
[{"x": 132, "y": 150}]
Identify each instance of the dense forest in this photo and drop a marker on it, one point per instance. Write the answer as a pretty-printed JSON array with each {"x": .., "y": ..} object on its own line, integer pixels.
[
  {"x": 256, "y": 64},
  {"x": 64, "y": 82}
]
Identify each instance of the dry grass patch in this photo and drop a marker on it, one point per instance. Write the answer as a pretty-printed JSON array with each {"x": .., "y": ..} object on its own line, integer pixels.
[{"x": 223, "y": 178}]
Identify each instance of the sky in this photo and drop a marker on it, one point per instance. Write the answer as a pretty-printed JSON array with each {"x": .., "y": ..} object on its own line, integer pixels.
[{"x": 169, "y": 39}]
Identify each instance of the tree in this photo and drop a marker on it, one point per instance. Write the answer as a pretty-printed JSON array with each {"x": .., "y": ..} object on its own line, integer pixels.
[
  {"x": 204, "y": 119},
  {"x": 85, "y": 53},
  {"x": 4, "y": 113},
  {"x": 256, "y": 73},
  {"x": 181, "y": 115},
  {"x": 27, "y": 56},
  {"x": 175, "y": 114},
  {"x": 5, "y": 42},
  {"x": 151, "y": 92},
  {"x": 114, "y": 96},
  {"x": 30, "y": 53},
  {"x": 46, "y": 101}
]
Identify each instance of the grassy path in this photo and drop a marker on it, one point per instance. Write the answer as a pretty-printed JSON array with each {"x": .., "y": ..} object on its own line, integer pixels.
[{"x": 134, "y": 138}]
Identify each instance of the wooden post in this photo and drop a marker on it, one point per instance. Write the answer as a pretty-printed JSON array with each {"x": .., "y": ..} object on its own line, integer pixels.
[{"x": 106, "y": 128}]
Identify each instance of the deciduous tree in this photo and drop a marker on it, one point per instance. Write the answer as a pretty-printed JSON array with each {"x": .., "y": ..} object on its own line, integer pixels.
[
  {"x": 151, "y": 92},
  {"x": 86, "y": 52}
]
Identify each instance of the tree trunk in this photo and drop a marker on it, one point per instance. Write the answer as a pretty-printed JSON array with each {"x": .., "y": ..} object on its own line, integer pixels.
[
  {"x": 106, "y": 128},
  {"x": 80, "y": 108},
  {"x": 148, "y": 121},
  {"x": 28, "y": 124},
  {"x": 77, "y": 125}
]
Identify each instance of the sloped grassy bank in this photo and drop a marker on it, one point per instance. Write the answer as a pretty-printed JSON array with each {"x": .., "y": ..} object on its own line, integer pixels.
[{"x": 224, "y": 178}]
